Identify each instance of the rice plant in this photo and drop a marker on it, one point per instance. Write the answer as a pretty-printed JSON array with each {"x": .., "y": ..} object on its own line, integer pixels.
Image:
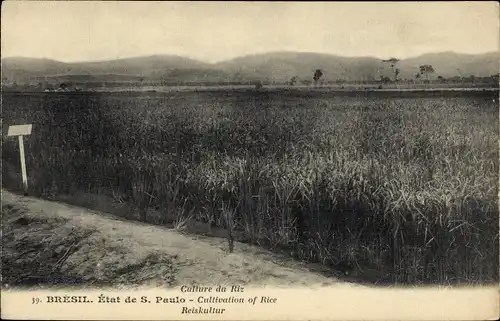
[{"x": 405, "y": 186}]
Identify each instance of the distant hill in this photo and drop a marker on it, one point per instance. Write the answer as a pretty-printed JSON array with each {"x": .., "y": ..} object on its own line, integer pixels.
[
  {"x": 450, "y": 64},
  {"x": 284, "y": 65},
  {"x": 281, "y": 66},
  {"x": 153, "y": 67},
  {"x": 19, "y": 69},
  {"x": 278, "y": 66}
]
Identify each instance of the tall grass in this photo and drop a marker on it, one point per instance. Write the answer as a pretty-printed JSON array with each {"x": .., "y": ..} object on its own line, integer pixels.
[{"x": 403, "y": 186}]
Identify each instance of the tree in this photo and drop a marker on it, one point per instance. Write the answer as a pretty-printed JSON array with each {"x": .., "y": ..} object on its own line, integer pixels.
[
  {"x": 385, "y": 79},
  {"x": 426, "y": 70},
  {"x": 417, "y": 77},
  {"x": 317, "y": 75},
  {"x": 396, "y": 74},
  {"x": 393, "y": 62},
  {"x": 293, "y": 81}
]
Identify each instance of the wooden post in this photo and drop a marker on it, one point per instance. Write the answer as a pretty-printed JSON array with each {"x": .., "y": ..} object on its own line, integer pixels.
[
  {"x": 23, "y": 164},
  {"x": 20, "y": 131}
]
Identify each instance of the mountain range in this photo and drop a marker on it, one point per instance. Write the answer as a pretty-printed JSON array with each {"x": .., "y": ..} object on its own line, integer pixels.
[{"x": 278, "y": 66}]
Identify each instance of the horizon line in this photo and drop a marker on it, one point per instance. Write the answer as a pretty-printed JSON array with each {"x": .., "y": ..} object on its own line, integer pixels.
[{"x": 243, "y": 56}]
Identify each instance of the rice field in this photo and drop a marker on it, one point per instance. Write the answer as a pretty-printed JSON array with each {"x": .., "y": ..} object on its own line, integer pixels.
[{"x": 405, "y": 186}]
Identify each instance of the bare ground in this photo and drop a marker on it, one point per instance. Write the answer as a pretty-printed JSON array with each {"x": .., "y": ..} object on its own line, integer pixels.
[{"x": 47, "y": 243}]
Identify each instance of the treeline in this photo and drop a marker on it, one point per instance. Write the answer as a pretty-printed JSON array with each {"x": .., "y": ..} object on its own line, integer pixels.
[{"x": 469, "y": 81}]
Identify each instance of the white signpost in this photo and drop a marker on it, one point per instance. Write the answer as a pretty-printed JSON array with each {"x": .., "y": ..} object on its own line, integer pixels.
[{"x": 20, "y": 131}]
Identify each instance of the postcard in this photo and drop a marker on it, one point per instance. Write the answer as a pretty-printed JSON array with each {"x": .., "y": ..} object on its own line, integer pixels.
[{"x": 225, "y": 160}]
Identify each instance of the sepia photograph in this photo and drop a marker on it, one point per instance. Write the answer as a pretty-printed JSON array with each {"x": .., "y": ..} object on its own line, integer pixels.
[{"x": 205, "y": 146}]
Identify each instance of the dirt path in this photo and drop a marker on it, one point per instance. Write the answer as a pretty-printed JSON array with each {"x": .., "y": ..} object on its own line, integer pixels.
[{"x": 51, "y": 243}]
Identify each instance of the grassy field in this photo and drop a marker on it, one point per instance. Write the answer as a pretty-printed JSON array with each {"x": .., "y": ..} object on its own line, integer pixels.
[{"x": 407, "y": 186}]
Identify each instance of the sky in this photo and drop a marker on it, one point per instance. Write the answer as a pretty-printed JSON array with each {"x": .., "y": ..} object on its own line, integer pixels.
[{"x": 73, "y": 31}]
